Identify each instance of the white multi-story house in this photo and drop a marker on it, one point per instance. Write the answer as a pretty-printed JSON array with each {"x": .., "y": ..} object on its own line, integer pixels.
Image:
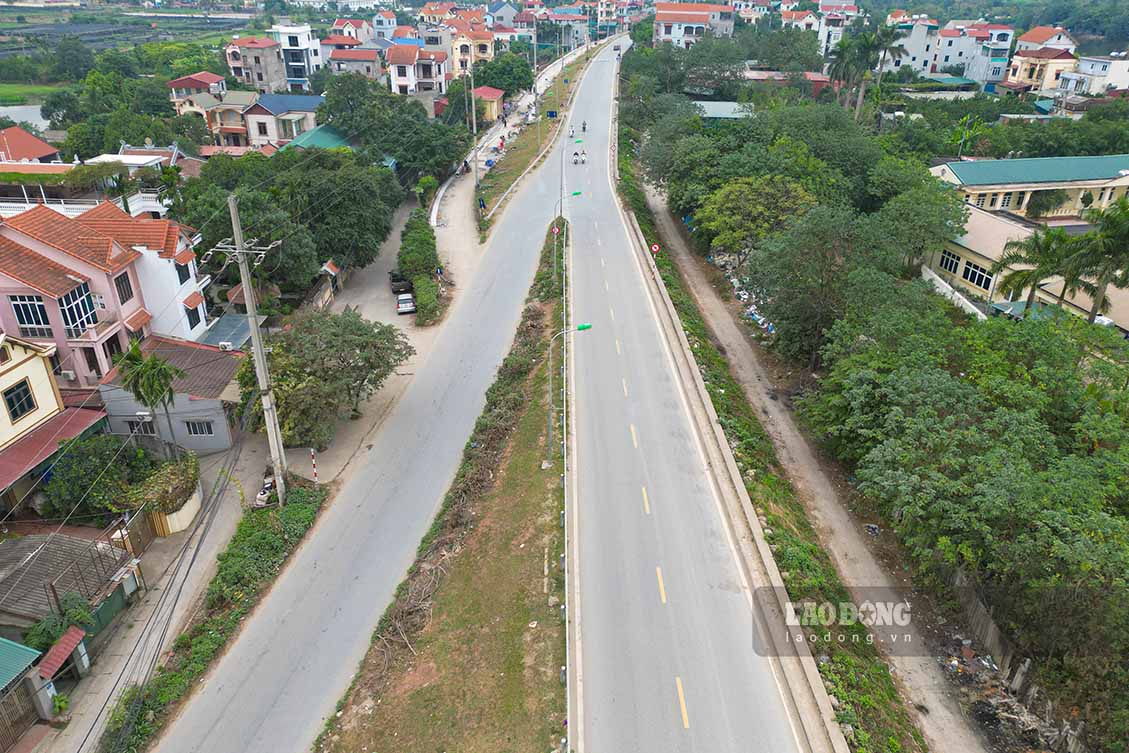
[
  {"x": 357, "y": 28},
  {"x": 683, "y": 24},
  {"x": 279, "y": 118},
  {"x": 412, "y": 70},
  {"x": 988, "y": 55},
  {"x": 920, "y": 39},
  {"x": 301, "y": 53},
  {"x": 1097, "y": 74},
  {"x": 1046, "y": 36},
  {"x": 166, "y": 268},
  {"x": 383, "y": 24}
]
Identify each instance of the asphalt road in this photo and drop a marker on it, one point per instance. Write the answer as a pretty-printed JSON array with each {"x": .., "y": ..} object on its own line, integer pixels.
[
  {"x": 666, "y": 620},
  {"x": 273, "y": 690}
]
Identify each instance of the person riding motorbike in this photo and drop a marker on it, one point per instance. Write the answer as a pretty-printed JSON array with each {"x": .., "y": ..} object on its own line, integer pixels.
[
  {"x": 571, "y": 131},
  {"x": 575, "y": 157},
  {"x": 584, "y": 157},
  {"x": 584, "y": 126}
]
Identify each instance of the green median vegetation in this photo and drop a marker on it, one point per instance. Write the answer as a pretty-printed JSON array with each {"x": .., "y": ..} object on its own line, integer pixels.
[
  {"x": 417, "y": 260},
  {"x": 854, "y": 672},
  {"x": 263, "y": 542},
  {"x": 523, "y": 150},
  {"x": 467, "y": 658}
]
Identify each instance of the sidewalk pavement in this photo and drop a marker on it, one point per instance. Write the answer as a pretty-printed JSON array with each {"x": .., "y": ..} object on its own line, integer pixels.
[{"x": 130, "y": 648}]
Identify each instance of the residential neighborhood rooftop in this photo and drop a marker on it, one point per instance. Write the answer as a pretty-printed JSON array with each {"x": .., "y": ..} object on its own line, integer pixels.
[
  {"x": 16, "y": 144},
  {"x": 209, "y": 371}
]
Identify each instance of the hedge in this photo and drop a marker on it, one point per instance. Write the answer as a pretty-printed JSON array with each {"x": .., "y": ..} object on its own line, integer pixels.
[
  {"x": 427, "y": 299},
  {"x": 418, "y": 255}
]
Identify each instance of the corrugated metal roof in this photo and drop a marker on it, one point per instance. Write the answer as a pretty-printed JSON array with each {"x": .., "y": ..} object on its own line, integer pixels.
[
  {"x": 15, "y": 658},
  {"x": 728, "y": 110},
  {"x": 1039, "y": 169}
]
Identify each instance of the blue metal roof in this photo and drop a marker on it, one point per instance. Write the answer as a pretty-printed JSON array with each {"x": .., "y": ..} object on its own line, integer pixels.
[
  {"x": 15, "y": 658},
  {"x": 280, "y": 104}
]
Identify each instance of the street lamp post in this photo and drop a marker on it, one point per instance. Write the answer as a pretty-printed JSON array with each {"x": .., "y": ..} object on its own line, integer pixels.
[{"x": 551, "y": 406}]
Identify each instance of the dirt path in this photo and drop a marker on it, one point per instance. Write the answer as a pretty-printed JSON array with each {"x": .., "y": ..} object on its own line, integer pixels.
[{"x": 939, "y": 717}]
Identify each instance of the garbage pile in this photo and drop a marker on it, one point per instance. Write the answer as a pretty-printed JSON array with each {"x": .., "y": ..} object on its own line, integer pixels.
[{"x": 742, "y": 291}]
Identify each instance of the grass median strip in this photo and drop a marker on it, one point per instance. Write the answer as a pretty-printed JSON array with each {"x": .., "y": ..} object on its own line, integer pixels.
[
  {"x": 262, "y": 543},
  {"x": 468, "y": 656},
  {"x": 522, "y": 150},
  {"x": 853, "y": 672}
]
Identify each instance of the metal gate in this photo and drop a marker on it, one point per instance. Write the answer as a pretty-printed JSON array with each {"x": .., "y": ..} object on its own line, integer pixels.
[{"x": 16, "y": 714}]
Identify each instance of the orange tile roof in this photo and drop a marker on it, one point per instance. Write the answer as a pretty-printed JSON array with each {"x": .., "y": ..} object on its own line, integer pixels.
[
  {"x": 404, "y": 31},
  {"x": 437, "y": 55},
  {"x": 36, "y": 168},
  {"x": 488, "y": 93},
  {"x": 1041, "y": 34},
  {"x": 137, "y": 320},
  {"x": 36, "y": 271},
  {"x": 695, "y": 7},
  {"x": 17, "y": 144},
  {"x": 159, "y": 235},
  {"x": 361, "y": 55},
  {"x": 194, "y": 299},
  {"x": 339, "y": 23},
  {"x": 201, "y": 80},
  {"x": 254, "y": 42},
  {"x": 341, "y": 39},
  {"x": 72, "y": 237},
  {"x": 402, "y": 54}
]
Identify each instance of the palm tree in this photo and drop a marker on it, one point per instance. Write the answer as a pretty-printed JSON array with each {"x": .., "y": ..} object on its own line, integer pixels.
[
  {"x": 843, "y": 68},
  {"x": 866, "y": 57},
  {"x": 149, "y": 379},
  {"x": 887, "y": 40},
  {"x": 1041, "y": 256},
  {"x": 1103, "y": 253}
]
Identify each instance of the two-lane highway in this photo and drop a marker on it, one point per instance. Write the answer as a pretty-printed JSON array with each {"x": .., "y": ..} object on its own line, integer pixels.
[{"x": 665, "y": 628}]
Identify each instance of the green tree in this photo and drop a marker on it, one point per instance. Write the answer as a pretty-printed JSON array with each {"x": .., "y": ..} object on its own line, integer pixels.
[
  {"x": 61, "y": 108},
  {"x": 323, "y": 367},
  {"x": 149, "y": 378},
  {"x": 72, "y": 59},
  {"x": 740, "y": 215},
  {"x": 509, "y": 72},
  {"x": 93, "y": 475},
  {"x": 887, "y": 40},
  {"x": 1040, "y": 203}
]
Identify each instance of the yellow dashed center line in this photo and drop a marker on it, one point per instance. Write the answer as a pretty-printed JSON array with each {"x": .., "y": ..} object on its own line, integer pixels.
[
  {"x": 624, "y": 387},
  {"x": 634, "y": 437},
  {"x": 682, "y": 703},
  {"x": 612, "y": 312},
  {"x": 606, "y": 285},
  {"x": 646, "y": 502},
  {"x": 662, "y": 588},
  {"x": 617, "y": 351}
]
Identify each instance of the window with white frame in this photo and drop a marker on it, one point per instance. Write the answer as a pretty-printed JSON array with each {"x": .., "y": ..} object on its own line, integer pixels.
[
  {"x": 950, "y": 262},
  {"x": 77, "y": 308},
  {"x": 980, "y": 197},
  {"x": 199, "y": 428},
  {"x": 1005, "y": 202},
  {"x": 145, "y": 428},
  {"x": 977, "y": 275},
  {"x": 31, "y": 316}
]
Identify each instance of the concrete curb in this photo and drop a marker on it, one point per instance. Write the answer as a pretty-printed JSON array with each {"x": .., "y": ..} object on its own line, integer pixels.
[{"x": 802, "y": 684}]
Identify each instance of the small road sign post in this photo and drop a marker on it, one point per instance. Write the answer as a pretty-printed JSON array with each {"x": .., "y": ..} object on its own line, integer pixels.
[{"x": 655, "y": 248}]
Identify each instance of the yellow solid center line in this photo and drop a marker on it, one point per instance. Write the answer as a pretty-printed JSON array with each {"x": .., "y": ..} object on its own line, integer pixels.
[
  {"x": 662, "y": 588},
  {"x": 634, "y": 438},
  {"x": 682, "y": 703},
  {"x": 646, "y": 502},
  {"x": 617, "y": 352},
  {"x": 624, "y": 387}
]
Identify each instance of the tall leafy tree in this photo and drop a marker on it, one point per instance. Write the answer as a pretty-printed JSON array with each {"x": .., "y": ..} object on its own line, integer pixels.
[{"x": 740, "y": 215}]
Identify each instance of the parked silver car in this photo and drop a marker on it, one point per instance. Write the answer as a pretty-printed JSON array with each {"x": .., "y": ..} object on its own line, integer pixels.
[{"x": 405, "y": 303}]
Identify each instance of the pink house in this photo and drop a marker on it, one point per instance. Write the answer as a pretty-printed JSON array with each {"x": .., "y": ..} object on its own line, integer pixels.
[{"x": 62, "y": 281}]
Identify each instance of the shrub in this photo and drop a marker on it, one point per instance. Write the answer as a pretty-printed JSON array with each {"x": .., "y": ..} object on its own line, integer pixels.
[
  {"x": 418, "y": 254},
  {"x": 426, "y": 188},
  {"x": 61, "y": 703},
  {"x": 168, "y": 487},
  {"x": 427, "y": 299},
  {"x": 76, "y": 611},
  {"x": 93, "y": 475}
]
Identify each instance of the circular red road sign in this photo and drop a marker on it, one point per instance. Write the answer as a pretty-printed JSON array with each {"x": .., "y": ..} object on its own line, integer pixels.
[
  {"x": 556, "y": 230},
  {"x": 654, "y": 248}
]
